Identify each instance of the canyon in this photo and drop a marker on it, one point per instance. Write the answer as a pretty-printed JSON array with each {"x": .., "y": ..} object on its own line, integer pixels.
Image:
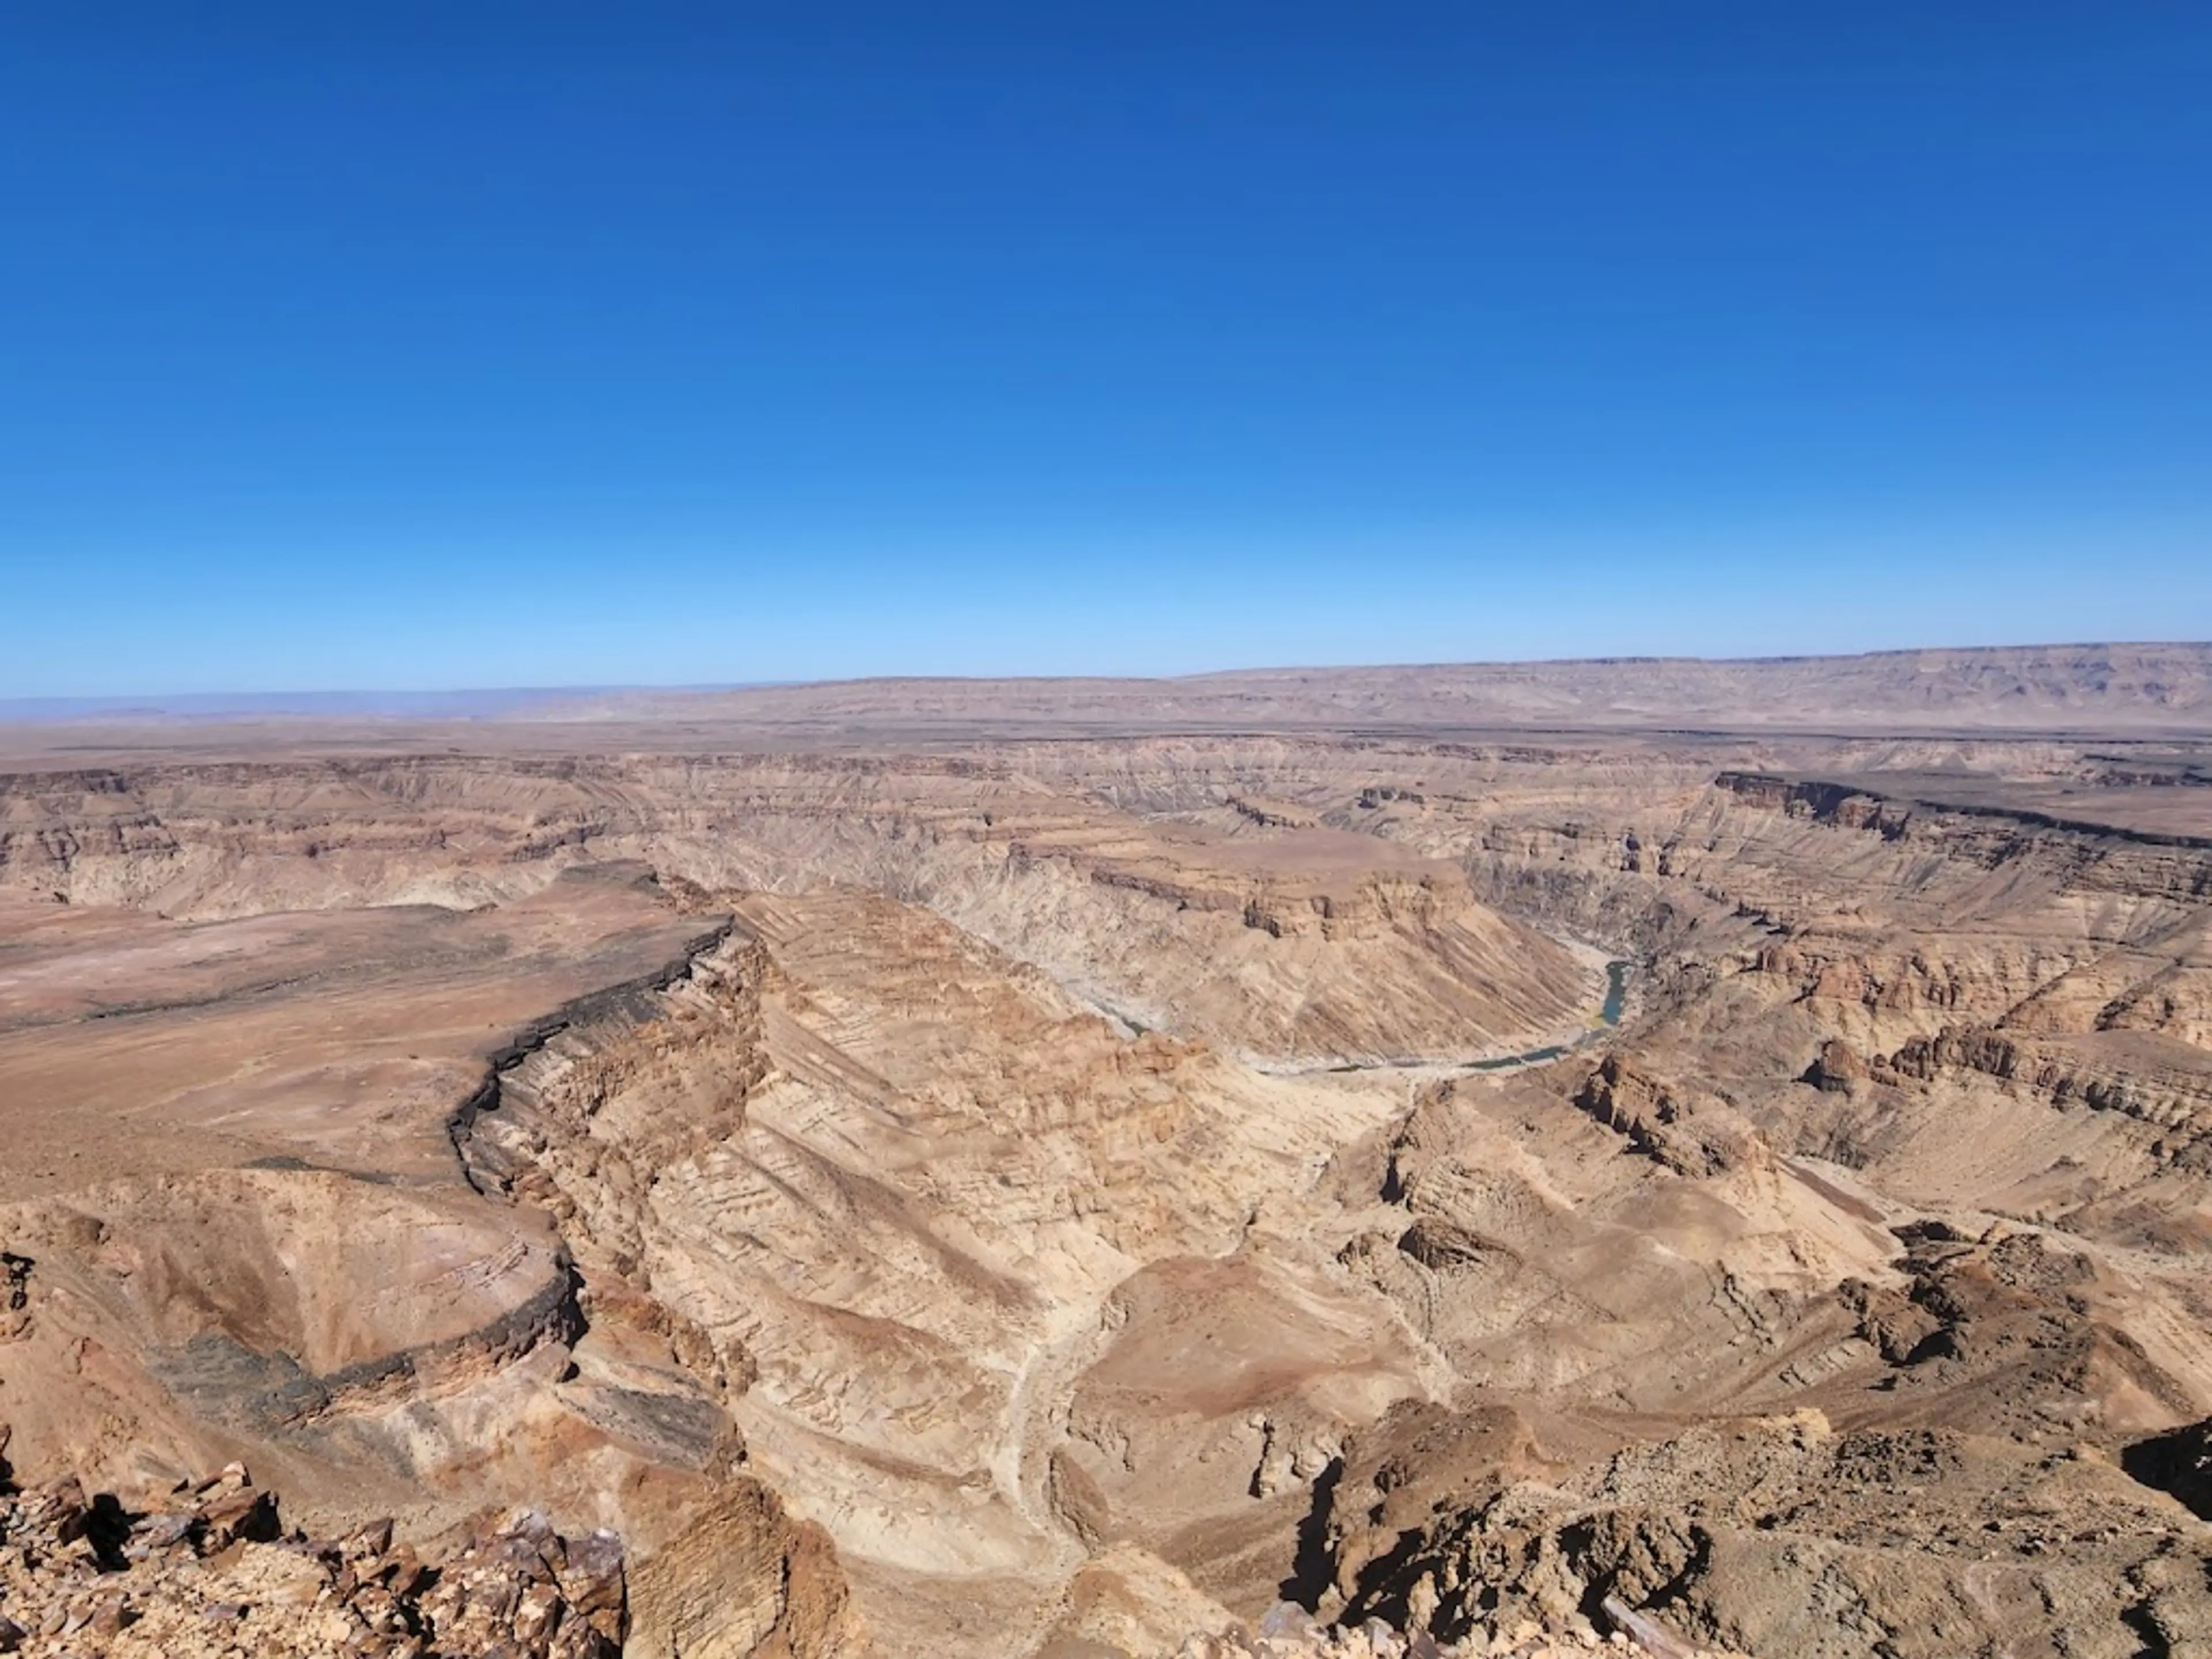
[{"x": 1063, "y": 1168}]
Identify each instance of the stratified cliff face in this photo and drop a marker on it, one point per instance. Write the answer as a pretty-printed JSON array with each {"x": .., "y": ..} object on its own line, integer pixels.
[
  {"x": 237, "y": 1221},
  {"x": 1916, "y": 1096},
  {"x": 1057, "y": 1197},
  {"x": 1289, "y": 944}
]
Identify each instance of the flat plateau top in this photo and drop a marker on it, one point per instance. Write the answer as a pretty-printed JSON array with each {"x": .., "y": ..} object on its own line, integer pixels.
[{"x": 2144, "y": 692}]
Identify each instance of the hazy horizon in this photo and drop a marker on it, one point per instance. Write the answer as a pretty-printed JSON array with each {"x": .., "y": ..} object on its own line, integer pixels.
[{"x": 493, "y": 701}]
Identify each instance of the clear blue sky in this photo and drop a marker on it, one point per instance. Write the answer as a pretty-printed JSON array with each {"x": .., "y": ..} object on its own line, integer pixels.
[{"x": 406, "y": 346}]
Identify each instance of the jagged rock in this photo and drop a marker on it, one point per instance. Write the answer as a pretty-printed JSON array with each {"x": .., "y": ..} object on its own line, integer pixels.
[
  {"x": 1896, "y": 1325},
  {"x": 1690, "y": 1136},
  {"x": 516, "y": 1586},
  {"x": 15, "y": 1296},
  {"x": 233, "y": 1515},
  {"x": 113, "y": 1616},
  {"x": 1289, "y": 1631},
  {"x": 1835, "y": 1069},
  {"x": 368, "y": 1541},
  {"x": 59, "y": 1508}
]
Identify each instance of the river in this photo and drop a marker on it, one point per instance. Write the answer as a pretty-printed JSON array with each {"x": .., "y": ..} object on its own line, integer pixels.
[{"x": 1608, "y": 1016}]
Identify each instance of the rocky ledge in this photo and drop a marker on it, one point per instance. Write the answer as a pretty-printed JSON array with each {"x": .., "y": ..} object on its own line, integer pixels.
[
  {"x": 213, "y": 1573},
  {"x": 1289, "y": 1632}
]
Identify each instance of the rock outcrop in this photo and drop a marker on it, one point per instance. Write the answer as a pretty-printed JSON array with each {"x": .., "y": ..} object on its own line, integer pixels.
[{"x": 210, "y": 1569}]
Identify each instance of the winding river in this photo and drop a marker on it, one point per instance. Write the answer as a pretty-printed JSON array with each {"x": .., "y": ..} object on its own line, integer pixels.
[{"x": 1608, "y": 1016}]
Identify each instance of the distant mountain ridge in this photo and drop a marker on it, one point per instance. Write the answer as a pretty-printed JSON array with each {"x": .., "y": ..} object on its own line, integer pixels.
[
  {"x": 2065, "y": 688},
  {"x": 2136, "y": 688}
]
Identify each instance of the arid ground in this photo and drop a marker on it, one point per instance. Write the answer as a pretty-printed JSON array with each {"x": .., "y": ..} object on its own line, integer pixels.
[{"x": 990, "y": 1168}]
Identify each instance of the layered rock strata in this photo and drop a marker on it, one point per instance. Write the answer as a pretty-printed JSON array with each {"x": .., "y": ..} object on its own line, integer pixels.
[{"x": 1046, "y": 1197}]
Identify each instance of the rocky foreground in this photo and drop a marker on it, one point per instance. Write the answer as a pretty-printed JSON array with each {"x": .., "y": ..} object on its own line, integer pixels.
[
  {"x": 213, "y": 1572},
  {"x": 1287, "y": 1632}
]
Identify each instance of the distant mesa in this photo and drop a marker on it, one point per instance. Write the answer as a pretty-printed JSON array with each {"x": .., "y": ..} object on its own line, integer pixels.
[{"x": 2084, "y": 688}]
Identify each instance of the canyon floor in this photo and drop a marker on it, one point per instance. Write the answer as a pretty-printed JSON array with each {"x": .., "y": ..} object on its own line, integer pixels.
[{"x": 1059, "y": 1169}]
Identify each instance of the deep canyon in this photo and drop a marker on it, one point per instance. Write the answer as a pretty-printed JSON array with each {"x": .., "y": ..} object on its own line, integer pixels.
[{"x": 1011, "y": 1169}]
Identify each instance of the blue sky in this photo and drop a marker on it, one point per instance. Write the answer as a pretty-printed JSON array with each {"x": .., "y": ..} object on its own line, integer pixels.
[{"x": 415, "y": 346}]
